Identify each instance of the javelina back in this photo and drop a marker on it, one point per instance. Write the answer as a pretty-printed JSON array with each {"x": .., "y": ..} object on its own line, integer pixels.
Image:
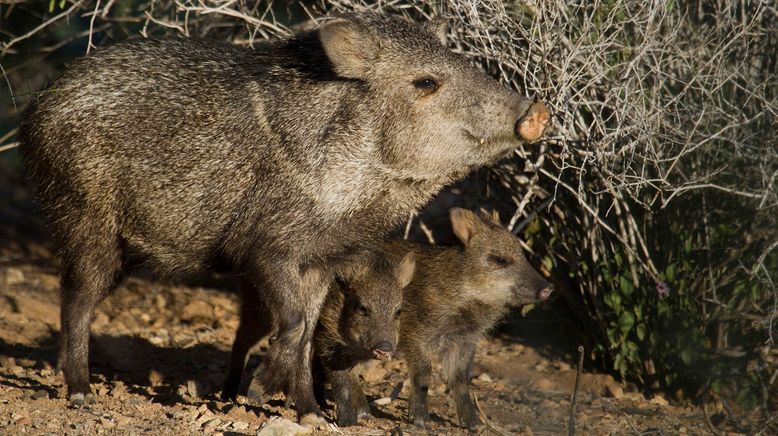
[
  {"x": 188, "y": 155},
  {"x": 359, "y": 321},
  {"x": 456, "y": 296}
]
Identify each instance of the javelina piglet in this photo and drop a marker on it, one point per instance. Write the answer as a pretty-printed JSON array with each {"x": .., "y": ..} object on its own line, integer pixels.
[
  {"x": 188, "y": 155},
  {"x": 457, "y": 295},
  {"x": 359, "y": 321}
]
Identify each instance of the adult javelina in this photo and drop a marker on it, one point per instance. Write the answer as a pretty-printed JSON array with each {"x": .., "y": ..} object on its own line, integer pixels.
[
  {"x": 456, "y": 296},
  {"x": 359, "y": 321},
  {"x": 187, "y": 154}
]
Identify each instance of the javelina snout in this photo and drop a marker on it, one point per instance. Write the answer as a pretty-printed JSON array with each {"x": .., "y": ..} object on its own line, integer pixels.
[
  {"x": 532, "y": 123},
  {"x": 500, "y": 271}
]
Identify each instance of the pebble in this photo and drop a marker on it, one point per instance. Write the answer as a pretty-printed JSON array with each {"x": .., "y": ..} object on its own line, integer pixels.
[
  {"x": 485, "y": 378},
  {"x": 240, "y": 425},
  {"x": 382, "y": 401},
  {"x": 277, "y": 426}
]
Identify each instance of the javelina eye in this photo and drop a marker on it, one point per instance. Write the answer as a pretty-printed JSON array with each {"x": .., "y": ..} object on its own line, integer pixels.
[
  {"x": 398, "y": 313},
  {"x": 363, "y": 310},
  {"x": 500, "y": 261},
  {"x": 427, "y": 84}
]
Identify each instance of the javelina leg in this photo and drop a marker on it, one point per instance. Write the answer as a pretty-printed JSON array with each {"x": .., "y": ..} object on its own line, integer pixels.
[
  {"x": 295, "y": 297},
  {"x": 255, "y": 323},
  {"x": 418, "y": 403},
  {"x": 458, "y": 364},
  {"x": 358, "y": 397},
  {"x": 342, "y": 395},
  {"x": 89, "y": 274}
]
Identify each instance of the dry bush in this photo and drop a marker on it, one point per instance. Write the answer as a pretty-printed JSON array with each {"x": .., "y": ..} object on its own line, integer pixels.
[{"x": 652, "y": 201}]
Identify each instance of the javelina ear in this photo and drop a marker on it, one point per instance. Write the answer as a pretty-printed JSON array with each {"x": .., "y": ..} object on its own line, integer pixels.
[
  {"x": 406, "y": 269},
  {"x": 349, "y": 46},
  {"x": 464, "y": 223},
  {"x": 492, "y": 216},
  {"x": 438, "y": 26}
]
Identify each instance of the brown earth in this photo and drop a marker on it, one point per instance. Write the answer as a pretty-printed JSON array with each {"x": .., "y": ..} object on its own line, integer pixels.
[{"x": 159, "y": 354}]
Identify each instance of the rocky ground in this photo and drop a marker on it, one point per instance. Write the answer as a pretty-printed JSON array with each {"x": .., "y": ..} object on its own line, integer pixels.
[{"x": 159, "y": 354}]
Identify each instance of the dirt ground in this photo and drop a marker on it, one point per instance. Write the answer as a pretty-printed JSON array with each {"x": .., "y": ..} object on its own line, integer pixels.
[{"x": 159, "y": 353}]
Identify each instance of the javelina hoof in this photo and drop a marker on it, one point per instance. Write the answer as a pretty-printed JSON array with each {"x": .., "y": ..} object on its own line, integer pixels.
[
  {"x": 532, "y": 125},
  {"x": 256, "y": 394},
  {"x": 422, "y": 423},
  {"x": 346, "y": 419},
  {"x": 314, "y": 421},
  {"x": 79, "y": 400}
]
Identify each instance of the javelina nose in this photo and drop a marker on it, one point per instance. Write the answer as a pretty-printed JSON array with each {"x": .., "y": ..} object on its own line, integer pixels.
[
  {"x": 383, "y": 349},
  {"x": 544, "y": 293},
  {"x": 533, "y": 123}
]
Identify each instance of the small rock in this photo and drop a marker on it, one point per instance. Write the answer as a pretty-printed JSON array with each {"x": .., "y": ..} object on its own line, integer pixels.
[
  {"x": 382, "y": 401},
  {"x": 564, "y": 366},
  {"x": 240, "y": 425},
  {"x": 106, "y": 422},
  {"x": 13, "y": 276},
  {"x": 485, "y": 378},
  {"x": 193, "y": 388},
  {"x": 156, "y": 378},
  {"x": 46, "y": 372},
  {"x": 277, "y": 426},
  {"x": 544, "y": 384},
  {"x": 205, "y": 417},
  {"x": 195, "y": 310},
  {"x": 37, "y": 395},
  {"x": 212, "y": 423},
  {"x": 614, "y": 390},
  {"x": 24, "y": 420},
  {"x": 659, "y": 400},
  {"x": 7, "y": 362}
]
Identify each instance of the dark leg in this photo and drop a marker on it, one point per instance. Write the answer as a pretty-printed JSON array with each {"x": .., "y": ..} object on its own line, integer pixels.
[
  {"x": 90, "y": 273},
  {"x": 296, "y": 297},
  {"x": 255, "y": 323},
  {"x": 342, "y": 395},
  {"x": 459, "y": 363},
  {"x": 418, "y": 403},
  {"x": 359, "y": 398}
]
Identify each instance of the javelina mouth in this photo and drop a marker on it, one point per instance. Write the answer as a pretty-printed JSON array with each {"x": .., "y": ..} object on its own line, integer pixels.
[
  {"x": 381, "y": 355},
  {"x": 544, "y": 293},
  {"x": 532, "y": 125}
]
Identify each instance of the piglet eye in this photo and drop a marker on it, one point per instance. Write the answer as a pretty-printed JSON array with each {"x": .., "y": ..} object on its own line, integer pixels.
[
  {"x": 500, "y": 261},
  {"x": 398, "y": 313},
  {"x": 363, "y": 310},
  {"x": 426, "y": 84}
]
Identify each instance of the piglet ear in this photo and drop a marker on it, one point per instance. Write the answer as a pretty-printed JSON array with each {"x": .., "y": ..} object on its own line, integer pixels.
[
  {"x": 464, "y": 223},
  {"x": 349, "y": 46},
  {"x": 438, "y": 26},
  {"x": 406, "y": 269}
]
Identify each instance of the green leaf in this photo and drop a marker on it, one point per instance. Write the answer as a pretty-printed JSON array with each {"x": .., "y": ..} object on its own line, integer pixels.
[
  {"x": 62, "y": 4},
  {"x": 626, "y": 321},
  {"x": 687, "y": 356},
  {"x": 548, "y": 262},
  {"x": 670, "y": 272},
  {"x": 613, "y": 300},
  {"x": 640, "y": 330},
  {"x": 625, "y": 283},
  {"x": 51, "y": 6},
  {"x": 687, "y": 246}
]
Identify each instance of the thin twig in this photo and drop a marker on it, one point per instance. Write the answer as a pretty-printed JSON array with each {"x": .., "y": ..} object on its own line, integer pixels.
[
  {"x": 485, "y": 420},
  {"x": 571, "y": 424}
]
